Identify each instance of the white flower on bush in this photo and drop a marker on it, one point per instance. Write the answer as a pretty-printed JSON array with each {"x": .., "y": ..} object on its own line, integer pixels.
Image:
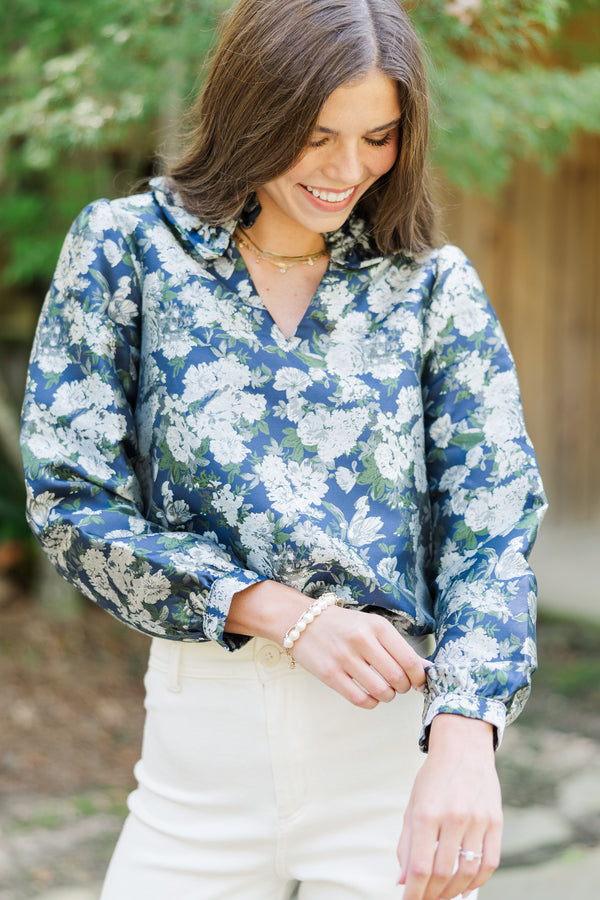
[
  {"x": 204, "y": 306},
  {"x": 90, "y": 392},
  {"x": 393, "y": 456},
  {"x": 224, "y": 266},
  {"x": 406, "y": 277}
]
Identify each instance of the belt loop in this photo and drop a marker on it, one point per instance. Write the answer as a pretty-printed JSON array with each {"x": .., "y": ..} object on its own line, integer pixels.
[{"x": 173, "y": 679}]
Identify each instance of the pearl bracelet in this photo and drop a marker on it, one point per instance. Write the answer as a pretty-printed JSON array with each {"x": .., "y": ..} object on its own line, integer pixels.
[{"x": 309, "y": 615}]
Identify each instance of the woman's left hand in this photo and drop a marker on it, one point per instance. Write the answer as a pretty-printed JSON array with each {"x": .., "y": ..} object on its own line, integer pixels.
[{"x": 455, "y": 805}]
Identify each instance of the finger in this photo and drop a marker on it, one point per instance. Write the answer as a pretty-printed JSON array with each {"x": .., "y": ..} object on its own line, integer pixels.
[
  {"x": 457, "y": 866},
  {"x": 393, "y": 674},
  {"x": 403, "y": 851},
  {"x": 415, "y": 669},
  {"x": 421, "y": 857},
  {"x": 491, "y": 848},
  {"x": 349, "y": 688},
  {"x": 413, "y": 665},
  {"x": 373, "y": 683}
]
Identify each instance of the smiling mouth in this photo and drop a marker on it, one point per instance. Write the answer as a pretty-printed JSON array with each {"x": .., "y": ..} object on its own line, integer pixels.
[{"x": 330, "y": 196}]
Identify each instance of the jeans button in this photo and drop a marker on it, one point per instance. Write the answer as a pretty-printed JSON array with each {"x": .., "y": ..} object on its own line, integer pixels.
[{"x": 269, "y": 656}]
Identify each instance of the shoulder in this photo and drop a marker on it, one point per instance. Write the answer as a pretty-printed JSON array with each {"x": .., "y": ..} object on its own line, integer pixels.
[
  {"x": 437, "y": 260},
  {"x": 447, "y": 272},
  {"x": 423, "y": 275},
  {"x": 124, "y": 216}
]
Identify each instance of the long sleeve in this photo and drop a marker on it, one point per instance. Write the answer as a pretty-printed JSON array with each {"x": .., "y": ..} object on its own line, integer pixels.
[
  {"x": 80, "y": 449},
  {"x": 487, "y": 502}
]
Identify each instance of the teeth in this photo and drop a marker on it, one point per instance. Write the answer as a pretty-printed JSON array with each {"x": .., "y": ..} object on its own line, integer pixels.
[{"x": 329, "y": 196}]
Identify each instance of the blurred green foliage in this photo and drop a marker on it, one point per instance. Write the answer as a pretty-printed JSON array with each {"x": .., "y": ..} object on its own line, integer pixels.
[
  {"x": 512, "y": 79},
  {"x": 88, "y": 91}
]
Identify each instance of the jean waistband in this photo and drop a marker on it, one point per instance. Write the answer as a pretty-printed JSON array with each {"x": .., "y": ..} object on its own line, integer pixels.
[{"x": 209, "y": 659}]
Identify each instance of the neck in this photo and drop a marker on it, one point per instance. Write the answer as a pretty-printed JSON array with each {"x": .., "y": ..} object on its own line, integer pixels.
[{"x": 275, "y": 232}]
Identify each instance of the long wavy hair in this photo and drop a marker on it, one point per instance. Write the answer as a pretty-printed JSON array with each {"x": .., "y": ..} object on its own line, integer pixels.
[{"x": 276, "y": 64}]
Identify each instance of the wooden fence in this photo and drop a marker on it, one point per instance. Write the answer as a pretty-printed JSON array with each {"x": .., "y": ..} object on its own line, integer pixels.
[{"x": 537, "y": 250}]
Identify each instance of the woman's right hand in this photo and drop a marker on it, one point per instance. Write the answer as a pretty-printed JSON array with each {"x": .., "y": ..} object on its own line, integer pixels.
[{"x": 360, "y": 655}]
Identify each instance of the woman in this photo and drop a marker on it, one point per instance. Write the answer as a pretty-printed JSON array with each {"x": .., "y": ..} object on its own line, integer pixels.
[{"x": 257, "y": 392}]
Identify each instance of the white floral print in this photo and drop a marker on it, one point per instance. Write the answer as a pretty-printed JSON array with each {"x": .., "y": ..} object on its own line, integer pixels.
[{"x": 179, "y": 448}]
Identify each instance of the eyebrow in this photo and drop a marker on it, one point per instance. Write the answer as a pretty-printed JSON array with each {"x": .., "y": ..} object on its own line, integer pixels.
[{"x": 370, "y": 131}]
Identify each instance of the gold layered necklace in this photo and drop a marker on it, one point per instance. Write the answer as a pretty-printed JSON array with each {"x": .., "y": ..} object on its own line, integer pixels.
[{"x": 281, "y": 262}]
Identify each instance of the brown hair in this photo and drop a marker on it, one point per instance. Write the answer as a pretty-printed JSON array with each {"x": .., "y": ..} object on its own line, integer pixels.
[{"x": 275, "y": 66}]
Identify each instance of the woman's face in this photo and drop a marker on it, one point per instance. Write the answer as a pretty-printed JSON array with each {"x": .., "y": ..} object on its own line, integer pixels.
[{"x": 354, "y": 143}]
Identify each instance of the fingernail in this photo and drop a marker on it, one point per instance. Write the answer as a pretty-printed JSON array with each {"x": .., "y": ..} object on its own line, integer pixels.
[
  {"x": 420, "y": 688},
  {"x": 400, "y": 876}
]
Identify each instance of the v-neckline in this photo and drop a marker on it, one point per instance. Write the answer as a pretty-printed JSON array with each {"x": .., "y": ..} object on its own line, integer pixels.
[{"x": 293, "y": 337}]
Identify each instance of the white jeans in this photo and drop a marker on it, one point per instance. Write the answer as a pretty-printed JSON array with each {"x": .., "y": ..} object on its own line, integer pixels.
[{"x": 257, "y": 781}]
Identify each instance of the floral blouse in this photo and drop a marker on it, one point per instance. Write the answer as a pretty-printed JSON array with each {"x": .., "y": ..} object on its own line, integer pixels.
[{"x": 179, "y": 448}]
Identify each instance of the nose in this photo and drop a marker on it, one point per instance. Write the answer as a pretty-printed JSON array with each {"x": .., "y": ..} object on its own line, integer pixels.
[{"x": 345, "y": 165}]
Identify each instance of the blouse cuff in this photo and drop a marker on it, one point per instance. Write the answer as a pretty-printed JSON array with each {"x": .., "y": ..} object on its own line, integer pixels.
[
  {"x": 472, "y": 706},
  {"x": 218, "y": 604}
]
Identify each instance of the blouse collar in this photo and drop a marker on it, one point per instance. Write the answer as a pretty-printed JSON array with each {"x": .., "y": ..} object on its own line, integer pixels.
[{"x": 350, "y": 247}]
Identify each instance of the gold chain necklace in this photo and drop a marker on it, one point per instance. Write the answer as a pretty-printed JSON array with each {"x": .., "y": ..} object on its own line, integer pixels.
[{"x": 281, "y": 262}]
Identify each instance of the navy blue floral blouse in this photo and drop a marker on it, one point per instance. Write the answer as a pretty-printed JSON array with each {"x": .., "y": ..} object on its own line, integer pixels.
[{"x": 179, "y": 448}]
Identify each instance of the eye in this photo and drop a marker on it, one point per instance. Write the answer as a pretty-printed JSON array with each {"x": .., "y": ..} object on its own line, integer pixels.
[
  {"x": 380, "y": 142},
  {"x": 320, "y": 143}
]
